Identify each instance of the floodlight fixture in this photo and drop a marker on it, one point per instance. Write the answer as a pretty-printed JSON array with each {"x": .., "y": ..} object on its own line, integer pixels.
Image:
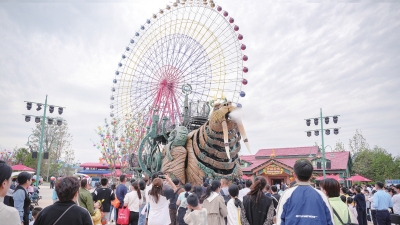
[
  {"x": 60, "y": 110},
  {"x": 50, "y": 121},
  {"x": 308, "y": 133},
  {"x": 39, "y": 107},
  {"x": 327, "y": 131},
  {"x": 308, "y": 122},
  {"x": 335, "y": 119},
  {"x": 51, "y": 108},
  {"x": 27, "y": 118},
  {"x": 29, "y": 105},
  {"x": 316, "y": 121},
  {"x": 326, "y": 120},
  {"x": 37, "y": 119},
  {"x": 316, "y": 133},
  {"x": 336, "y": 131}
]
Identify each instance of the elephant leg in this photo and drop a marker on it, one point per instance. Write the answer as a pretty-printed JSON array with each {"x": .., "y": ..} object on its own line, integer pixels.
[{"x": 176, "y": 167}]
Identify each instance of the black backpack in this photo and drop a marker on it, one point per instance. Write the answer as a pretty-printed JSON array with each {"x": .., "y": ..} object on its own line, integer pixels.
[
  {"x": 226, "y": 197},
  {"x": 348, "y": 218}
]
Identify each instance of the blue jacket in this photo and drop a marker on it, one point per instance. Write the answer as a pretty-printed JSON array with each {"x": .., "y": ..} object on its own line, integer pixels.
[{"x": 304, "y": 205}]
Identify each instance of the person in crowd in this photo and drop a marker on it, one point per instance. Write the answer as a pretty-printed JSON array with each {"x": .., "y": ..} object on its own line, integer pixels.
[
  {"x": 113, "y": 211},
  {"x": 96, "y": 217},
  {"x": 278, "y": 186},
  {"x": 224, "y": 189},
  {"x": 235, "y": 208},
  {"x": 198, "y": 190},
  {"x": 382, "y": 202},
  {"x": 373, "y": 210},
  {"x": 275, "y": 196},
  {"x": 142, "y": 218},
  {"x": 85, "y": 199},
  {"x": 133, "y": 200},
  {"x": 172, "y": 203},
  {"x": 205, "y": 185},
  {"x": 8, "y": 215},
  {"x": 214, "y": 203},
  {"x": 368, "y": 203},
  {"x": 106, "y": 195},
  {"x": 35, "y": 213},
  {"x": 121, "y": 191},
  {"x": 195, "y": 214},
  {"x": 258, "y": 208},
  {"x": 65, "y": 211},
  {"x": 348, "y": 201},
  {"x": 245, "y": 190},
  {"x": 303, "y": 204},
  {"x": 21, "y": 198},
  {"x": 396, "y": 200},
  {"x": 182, "y": 204},
  {"x": 268, "y": 190},
  {"x": 361, "y": 207},
  {"x": 341, "y": 212},
  {"x": 158, "y": 200}
]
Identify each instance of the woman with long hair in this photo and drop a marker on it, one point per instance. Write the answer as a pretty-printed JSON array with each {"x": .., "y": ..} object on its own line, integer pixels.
[
  {"x": 236, "y": 212},
  {"x": 198, "y": 190},
  {"x": 182, "y": 203},
  {"x": 215, "y": 204},
  {"x": 142, "y": 187},
  {"x": 259, "y": 208},
  {"x": 133, "y": 200},
  {"x": 331, "y": 188},
  {"x": 157, "y": 199},
  {"x": 8, "y": 215}
]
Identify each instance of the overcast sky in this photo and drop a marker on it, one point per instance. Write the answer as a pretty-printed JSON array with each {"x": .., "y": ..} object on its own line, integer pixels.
[{"x": 344, "y": 58}]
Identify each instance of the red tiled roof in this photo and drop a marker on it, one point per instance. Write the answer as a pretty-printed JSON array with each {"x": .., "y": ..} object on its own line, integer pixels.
[
  {"x": 338, "y": 160},
  {"x": 288, "y": 151}
]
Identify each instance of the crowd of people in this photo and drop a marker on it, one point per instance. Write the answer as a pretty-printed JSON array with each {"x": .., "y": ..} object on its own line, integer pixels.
[{"x": 160, "y": 200}]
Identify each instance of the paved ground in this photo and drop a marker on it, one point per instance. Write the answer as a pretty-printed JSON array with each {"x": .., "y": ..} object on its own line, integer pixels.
[{"x": 46, "y": 194}]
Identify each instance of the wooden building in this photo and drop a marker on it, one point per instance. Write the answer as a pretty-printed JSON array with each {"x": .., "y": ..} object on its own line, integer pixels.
[{"x": 276, "y": 165}]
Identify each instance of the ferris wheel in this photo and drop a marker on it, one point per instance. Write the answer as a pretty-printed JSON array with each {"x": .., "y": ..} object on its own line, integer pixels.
[{"x": 187, "y": 47}]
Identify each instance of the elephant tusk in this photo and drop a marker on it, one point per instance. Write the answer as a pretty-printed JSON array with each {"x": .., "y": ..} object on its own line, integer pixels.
[
  {"x": 243, "y": 133},
  {"x": 226, "y": 143}
]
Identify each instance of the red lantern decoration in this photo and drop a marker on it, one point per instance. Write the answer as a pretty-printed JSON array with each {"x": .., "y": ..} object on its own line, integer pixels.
[
  {"x": 236, "y": 28},
  {"x": 231, "y": 20},
  {"x": 245, "y": 69},
  {"x": 245, "y": 58},
  {"x": 225, "y": 13},
  {"x": 243, "y": 47},
  {"x": 219, "y": 8},
  {"x": 244, "y": 81},
  {"x": 240, "y": 37}
]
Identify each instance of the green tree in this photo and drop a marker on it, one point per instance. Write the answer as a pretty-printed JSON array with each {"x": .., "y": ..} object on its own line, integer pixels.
[
  {"x": 376, "y": 164},
  {"x": 23, "y": 156},
  {"x": 358, "y": 143}
]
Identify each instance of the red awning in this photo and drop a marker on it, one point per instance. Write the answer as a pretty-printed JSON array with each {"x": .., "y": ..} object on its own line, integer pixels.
[
  {"x": 359, "y": 178},
  {"x": 21, "y": 167},
  {"x": 336, "y": 177},
  {"x": 245, "y": 177}
]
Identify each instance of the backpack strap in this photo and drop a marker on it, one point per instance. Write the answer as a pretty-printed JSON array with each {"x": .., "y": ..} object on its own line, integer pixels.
[
  {"x": 63, "y": 214},
  {"x": 339, "y": 216}
]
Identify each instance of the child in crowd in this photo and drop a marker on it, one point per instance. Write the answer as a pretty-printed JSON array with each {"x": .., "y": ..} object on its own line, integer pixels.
[
  {"x": 195, "y": 215},
  {"x": 349, "y": 202},
  {"x": 35, "y": 213},
  {"x": 98, "y": 214}
]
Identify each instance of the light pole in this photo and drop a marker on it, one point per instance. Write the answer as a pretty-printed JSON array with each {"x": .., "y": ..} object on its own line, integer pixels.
[
  {"x": 42, "y": 120},
  {"x": 327, "y": 132}
]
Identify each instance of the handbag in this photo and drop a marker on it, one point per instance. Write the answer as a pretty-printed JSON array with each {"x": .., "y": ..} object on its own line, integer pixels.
[
  {"x": 123, "y": 216},
  {"x": 112, "y": 216},
  {"x": 115, "y": 202},
  {"x": 348, "y": 216}
]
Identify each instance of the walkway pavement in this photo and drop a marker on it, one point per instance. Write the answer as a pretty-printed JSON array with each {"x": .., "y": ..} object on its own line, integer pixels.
[{"x": 46, "y": 194}]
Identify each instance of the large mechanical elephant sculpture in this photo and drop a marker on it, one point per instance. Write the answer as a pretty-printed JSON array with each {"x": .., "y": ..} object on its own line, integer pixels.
[{"x": 211, "y": 151}]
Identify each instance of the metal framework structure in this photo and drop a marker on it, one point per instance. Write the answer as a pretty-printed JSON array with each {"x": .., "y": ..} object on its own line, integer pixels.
[{"x": 188, "y": 53}]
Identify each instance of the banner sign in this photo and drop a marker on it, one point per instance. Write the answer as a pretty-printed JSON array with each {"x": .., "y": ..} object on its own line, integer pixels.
[{"x": 273, "y": 169}]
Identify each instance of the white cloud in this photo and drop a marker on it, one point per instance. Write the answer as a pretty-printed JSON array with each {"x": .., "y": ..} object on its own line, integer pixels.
[{"x": 341, "y": 57}]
